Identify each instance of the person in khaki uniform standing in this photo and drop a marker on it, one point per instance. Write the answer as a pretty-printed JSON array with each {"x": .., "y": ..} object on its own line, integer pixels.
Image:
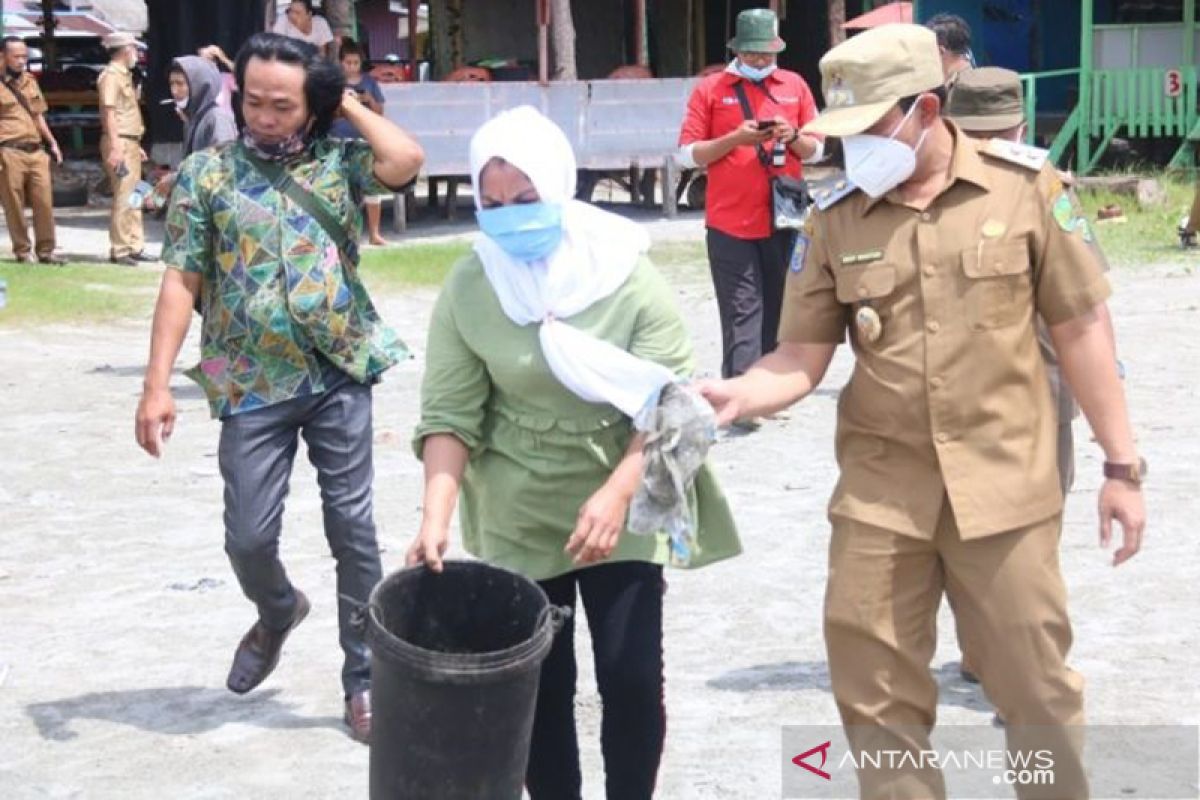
[
  {"x": 988, "y": 103},
  {"x": 121, "y": 121},
  {"x": 938, "y": 266},
  {"x": 24, "y": 163}
]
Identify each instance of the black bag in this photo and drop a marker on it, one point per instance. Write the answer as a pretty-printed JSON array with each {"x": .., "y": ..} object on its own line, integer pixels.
[{"x": 789, "y": 196}]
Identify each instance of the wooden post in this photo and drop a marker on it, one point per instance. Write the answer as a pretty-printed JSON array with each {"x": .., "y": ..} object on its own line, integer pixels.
[
  {"x": 414, "y": 21},
  {"x": 562, "y": 30},
  {"x": 49, "y": 46},
  {"x": 543, "y": 31},
  {"x": 1083, "y": 139},
  {"x": 837, "y": 18},
  {"x": 641, "y": 56}
]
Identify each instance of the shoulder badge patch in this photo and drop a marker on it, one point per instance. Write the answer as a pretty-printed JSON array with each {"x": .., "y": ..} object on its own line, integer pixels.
[
  {"x": 1069, "y": 217},
  {"x": 800, "y": 248},
  {"x": 1023, "y": 155}
]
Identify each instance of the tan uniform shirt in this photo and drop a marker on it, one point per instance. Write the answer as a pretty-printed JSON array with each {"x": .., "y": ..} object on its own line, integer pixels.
[
  {"x": 952, "y": 398},
  {"x": 15, "y": 123},
  {"x": 116, "y": 90}
]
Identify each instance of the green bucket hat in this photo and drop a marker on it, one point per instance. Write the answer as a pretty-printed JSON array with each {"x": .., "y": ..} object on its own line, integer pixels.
[
  {"x": 987, "y": 99},
  {"x": 757, "y": 32}
]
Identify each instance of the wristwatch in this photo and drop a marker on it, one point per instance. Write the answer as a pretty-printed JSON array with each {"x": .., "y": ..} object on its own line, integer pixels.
[{"x": 1133, "y": 473}]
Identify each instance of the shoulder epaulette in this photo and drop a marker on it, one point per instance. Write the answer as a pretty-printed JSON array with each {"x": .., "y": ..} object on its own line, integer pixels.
[
  {"x": 829, "y": 191},
  {"x": 1023, "y": 155}
]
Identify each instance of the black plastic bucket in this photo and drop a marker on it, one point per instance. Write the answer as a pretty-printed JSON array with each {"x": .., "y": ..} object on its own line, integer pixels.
[{"x": 454, "y": 675}]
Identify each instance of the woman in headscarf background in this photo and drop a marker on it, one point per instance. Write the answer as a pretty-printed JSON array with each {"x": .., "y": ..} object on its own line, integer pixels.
[{"x": 543, "y": 345}]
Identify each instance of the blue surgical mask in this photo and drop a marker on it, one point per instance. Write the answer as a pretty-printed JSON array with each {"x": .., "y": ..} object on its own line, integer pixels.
[
  {"x": 526, "y": 231},
  {"x": 754, "y": 73}
]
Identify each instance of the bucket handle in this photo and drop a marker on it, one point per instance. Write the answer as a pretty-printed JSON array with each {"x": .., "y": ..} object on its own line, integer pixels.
[
  {"x": 554, "y": 616},
  {"x": 358, "y": 613}
]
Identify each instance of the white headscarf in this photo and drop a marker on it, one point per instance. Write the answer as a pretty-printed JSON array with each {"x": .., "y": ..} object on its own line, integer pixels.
[{"x": 598, "y": 252}]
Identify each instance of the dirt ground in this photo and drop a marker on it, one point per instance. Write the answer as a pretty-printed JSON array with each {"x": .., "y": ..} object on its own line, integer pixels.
[{"x": 118, "y": 611}]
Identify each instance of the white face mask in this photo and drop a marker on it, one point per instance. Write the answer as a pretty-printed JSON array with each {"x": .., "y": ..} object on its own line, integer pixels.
[
  {"x": 181, "y": 105},
  {"x": 878, "y": 164}
]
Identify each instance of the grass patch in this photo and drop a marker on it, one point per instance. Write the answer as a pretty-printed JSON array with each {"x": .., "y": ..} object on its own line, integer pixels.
[
  {"x": 397, "y": 268},
  {"x": 40, "y": 294},
  {"x": 1149, "y": 236}
]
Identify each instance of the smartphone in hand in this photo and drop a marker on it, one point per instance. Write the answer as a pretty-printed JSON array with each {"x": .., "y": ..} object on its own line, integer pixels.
[{"x": 766, "y": 124}]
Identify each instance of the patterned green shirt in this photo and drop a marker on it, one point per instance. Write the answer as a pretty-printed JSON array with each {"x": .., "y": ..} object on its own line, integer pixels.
[{"x": 279, "y": 303}]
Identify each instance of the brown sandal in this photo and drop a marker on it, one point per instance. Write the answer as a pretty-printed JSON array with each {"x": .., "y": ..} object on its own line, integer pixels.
[{"x": 258, "y": 653}]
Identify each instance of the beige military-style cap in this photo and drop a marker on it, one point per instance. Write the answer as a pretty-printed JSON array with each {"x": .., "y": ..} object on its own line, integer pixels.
[
  {"x": 987, "y": 99},
  {"x": 118, "y": 39},
  {"x": 864, "y": 76}
]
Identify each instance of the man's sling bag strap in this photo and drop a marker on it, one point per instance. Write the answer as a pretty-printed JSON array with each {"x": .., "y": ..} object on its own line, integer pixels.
[
  {"x": 22, "y": 100},
  {"x": 789, "y": 196},
  {"x": 317, "y": 208}
]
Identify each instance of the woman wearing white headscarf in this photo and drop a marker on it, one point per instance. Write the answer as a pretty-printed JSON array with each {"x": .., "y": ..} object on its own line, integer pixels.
[{"x": 543, "y": 346}]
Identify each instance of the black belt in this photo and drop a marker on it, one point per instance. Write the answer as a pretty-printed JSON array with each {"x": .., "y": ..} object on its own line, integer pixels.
[
  {"x": 25, "y": 147},
  {"x": 130, "y": 137}
]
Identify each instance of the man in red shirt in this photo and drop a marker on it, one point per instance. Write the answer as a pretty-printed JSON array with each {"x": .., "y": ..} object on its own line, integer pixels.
[{"x": 748, "y": 258}]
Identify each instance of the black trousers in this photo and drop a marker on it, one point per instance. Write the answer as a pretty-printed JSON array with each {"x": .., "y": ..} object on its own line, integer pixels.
[
  {"x": 624, "y": 603},
  {"x": 748, "y": 276}
]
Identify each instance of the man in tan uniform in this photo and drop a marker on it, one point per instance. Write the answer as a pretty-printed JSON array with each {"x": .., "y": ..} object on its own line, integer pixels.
[
  {"x": 24, "y": 163},
  {"x": 988, "y": 103},
  {"x": 121, "y": 121},
  {"x": 939, "y": 266}
]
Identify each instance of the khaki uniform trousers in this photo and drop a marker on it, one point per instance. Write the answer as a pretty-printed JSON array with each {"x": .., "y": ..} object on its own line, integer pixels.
[
  {"x": 25, "y": 178},
  {"x": 1010, "y": 606},
  {"x": 125, "y": 235}
]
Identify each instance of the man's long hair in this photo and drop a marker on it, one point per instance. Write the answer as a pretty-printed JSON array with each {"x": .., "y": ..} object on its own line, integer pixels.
[{"x": 324, "y": 82}]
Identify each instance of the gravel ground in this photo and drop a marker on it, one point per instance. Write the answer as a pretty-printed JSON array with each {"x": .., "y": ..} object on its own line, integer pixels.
[{"x": 119, "y": 611}]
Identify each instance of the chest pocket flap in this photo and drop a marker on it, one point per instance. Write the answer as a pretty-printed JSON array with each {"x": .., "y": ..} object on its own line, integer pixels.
[
  {"x": 865, "y": 282},
  {"x": 994, "y": 258}
]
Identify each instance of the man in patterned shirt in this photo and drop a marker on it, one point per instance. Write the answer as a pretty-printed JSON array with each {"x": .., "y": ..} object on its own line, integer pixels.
[{"x": 291, "y": 343}]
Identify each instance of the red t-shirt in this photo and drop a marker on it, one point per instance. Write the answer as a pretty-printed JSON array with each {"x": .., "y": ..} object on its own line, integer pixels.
[{"x": 738, "y": 201}]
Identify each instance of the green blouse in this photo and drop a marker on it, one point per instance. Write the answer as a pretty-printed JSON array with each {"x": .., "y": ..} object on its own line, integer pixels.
[{"x": 537, "y": 451}]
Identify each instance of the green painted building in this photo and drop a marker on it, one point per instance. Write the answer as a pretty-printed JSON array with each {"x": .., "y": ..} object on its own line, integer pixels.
[{"x": 1094, "y": 69}]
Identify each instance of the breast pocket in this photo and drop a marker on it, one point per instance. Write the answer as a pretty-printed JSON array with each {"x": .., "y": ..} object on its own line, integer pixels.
[
  {"x": 998, "y": 284},
  {"x": 869, "y": 283}
]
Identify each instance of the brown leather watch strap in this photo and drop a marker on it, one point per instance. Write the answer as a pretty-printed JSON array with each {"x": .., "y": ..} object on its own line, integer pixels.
[{"x": 1133, "y": 473}]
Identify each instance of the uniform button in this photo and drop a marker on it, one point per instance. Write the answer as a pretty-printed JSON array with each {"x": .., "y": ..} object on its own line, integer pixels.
[
  {"x": 936, "y": 381},
  {"x": 943, "y": 437},
  {"x": 928, "y": 270},
  {"x": 932, "y": 326},
  {"x": 926, "y": 216}
]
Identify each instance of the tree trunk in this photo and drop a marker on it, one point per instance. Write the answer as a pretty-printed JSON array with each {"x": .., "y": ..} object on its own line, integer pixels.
[
  {"x": 837, "y": 18},
  {"x": 562, "y": 34}
]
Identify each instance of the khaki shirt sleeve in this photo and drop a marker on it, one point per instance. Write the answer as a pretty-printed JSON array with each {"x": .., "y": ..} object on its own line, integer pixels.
[
  {"x": 1069, "y": 266},
  {"x": 811, "y": 312},
  {"x": 37, "y": 101},
  {"x": 109, "y": 90}
]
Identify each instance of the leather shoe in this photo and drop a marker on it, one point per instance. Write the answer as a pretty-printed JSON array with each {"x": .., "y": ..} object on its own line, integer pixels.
[
  {"x": 144, "y": 257},
  {"x": 25, "y": 259},
  {"x": 358, "y": 716},
  {"x": 258, "y": 653},
  {"x": 124, "y": 261},
  {"x": 52, "y": 259}
]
